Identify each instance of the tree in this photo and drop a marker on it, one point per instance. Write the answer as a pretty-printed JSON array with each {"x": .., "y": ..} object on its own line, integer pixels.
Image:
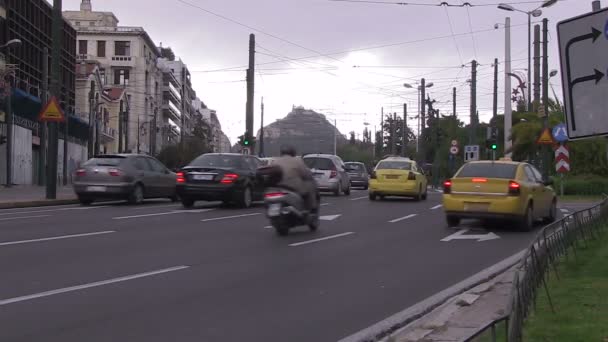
[
  {"x": 178, "y": 155},
  {"x": 395, "y": 126},
  {"x": 167, "y": 53},
  {"x": 352, "y": 139}
]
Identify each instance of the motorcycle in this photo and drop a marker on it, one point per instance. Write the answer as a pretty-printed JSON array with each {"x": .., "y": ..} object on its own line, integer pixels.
[{"x": 285, "y": 209}]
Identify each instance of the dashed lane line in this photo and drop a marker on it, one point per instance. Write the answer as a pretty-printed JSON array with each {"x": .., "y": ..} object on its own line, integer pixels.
[
  {"x": 55, "y": 238},
  {"x": 403, "y": 218},
  {"x": 320, "y": 239}
]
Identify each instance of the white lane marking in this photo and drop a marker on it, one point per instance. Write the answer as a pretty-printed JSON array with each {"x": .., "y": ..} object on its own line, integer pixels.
[
  {"x": 268, "y": 227},
  {"x": 88, "y": 208},
  {"x": 437, "y": 207},
  {"x": 329, "y": 217},
  {"x": 89, "y": 285},
  {"x": 324, "y": 204},
  {"x": 22, "y": 217},
  {"x": 229, "y": 217},
  {"x": 321, "y": 239},
  {"x": 51, "y": 210},
  {"x": 403, "y": 218},
  {"x": 55, "y": 238},
  {"x": 460, "y": 235},
  {"x": 564, "y": 210},
  {"x": 173, "y": 212},
  {"x": 359, "y": 198},
  {"x": 156, "y": 206}
]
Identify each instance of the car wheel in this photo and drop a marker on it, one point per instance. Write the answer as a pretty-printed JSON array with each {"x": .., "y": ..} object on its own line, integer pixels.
[
  {"x": 174, "y": 198},
  {"x": 365, "y": 187},
  {"x": 347, "y": 191},
  {"x": 85, "y": 201},
  {"x": 425, "y": 195},
  {"x": 137, "y": 195},
  {"x": 552, "y": 213},
  {"x": 280, "y": 227},
  {"x": 187, "y": 203},
  {"x": 246, "y": 200},
  {"x": 338, "y": 190},
  {"x": 372, "y": 196},
  {"x": 453, "y": 221},
  {"x": 527, "y": 221},
  {"x": 418, "y": 196}
]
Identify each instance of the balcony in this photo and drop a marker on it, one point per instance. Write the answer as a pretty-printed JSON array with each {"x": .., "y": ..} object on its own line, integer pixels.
[
  {"x": 123, "y": 61},
  {"x": 108, "y": 134},
  {"x": 171, "y": 112}
]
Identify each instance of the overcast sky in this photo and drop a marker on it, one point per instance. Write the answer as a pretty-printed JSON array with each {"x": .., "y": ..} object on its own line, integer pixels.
[{"x": 420, "y": 45}]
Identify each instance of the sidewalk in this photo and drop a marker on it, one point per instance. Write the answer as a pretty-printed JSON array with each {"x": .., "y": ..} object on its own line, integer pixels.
[{"x": 22, "y": 196}]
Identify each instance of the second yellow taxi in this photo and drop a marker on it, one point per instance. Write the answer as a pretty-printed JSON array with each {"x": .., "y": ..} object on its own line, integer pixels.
[{"x": 397, "y": 176}]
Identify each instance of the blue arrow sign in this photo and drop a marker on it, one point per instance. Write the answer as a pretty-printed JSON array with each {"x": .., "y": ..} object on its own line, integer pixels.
[
  {"x": 606, "y": 30},
  {"x": 560, "y": 134}
]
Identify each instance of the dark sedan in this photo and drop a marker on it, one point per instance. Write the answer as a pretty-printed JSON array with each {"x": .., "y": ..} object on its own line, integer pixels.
[
  {"x": 359, "y": 177},
  {"x": 226, "y": 177}
]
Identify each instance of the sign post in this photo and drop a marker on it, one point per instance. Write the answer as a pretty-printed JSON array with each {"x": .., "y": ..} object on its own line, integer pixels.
[
  {"x": 562, "y": 163},
  {"x": 583, "y": 50}
]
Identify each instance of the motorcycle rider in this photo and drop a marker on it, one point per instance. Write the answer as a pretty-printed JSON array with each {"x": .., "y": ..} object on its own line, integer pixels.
[{"x": 297, "y": 177}]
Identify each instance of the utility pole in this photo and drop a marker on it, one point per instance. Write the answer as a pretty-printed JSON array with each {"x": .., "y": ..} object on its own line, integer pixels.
[
  {"x": 422, "y": 120},
  {"x": 250, "y": 90},
  {"x": 404, "y": 131},
  {"x": 43, "y": 127},
  {"x": 536, "y": 67},
  {"x": 262, "y": 130},
  {"x": 57, "y": 44},
  {"x": 97, "y": 120},
  {"x": 473, "y": 125},
  {"x": 9, "y": 137},
  {"x": 454, "y": 102},
  {"x": 495, "y": 99},
  {"x": 393, "y": 134},
  {"x": 547, "y": 150},
  {"x": 120, "y": 122},
  {"x": 91, "y": 143},
  {"x": 126, "y": 127},
  {"x": 382, "y": 130},
  {"x": 508, "y": 109},
  {"x": 153, "y": 133},
  {"x": 335, "y": 137},
  {"x": 65, "y": 145}
]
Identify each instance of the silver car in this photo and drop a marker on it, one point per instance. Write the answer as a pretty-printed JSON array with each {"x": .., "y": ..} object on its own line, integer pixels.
[
  {"x": 330, "y": 173},
  {"x": 124, "y": 176}
]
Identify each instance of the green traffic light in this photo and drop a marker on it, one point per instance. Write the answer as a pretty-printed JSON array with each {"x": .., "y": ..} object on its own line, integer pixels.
[
  {"x": 494, "y": 146},
  {"x": 246, "y": 142}
]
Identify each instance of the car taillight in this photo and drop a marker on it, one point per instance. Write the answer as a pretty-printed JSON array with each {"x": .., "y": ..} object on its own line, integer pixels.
[
  {"x": 447, "y": 187},
  {"x": 373, "y": 175},
  {"x": 181, "y": 177},
  {"x": 274, "y": 194},
  {"x": 411, "y": 176},
  {"x": 115, "y": 172},
  {"x": 514, "y": 188},
  {"x": 333, "y": 174},
  {"x": 229, "y": 178},
  {"x": 81, "y": 172}
]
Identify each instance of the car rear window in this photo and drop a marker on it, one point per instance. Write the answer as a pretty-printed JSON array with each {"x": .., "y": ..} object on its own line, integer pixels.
[
  {"x": 319, "y": 163},
  {"x": 394, "y": 165},
  {"x": 104, "y": 161},
  {"x": 488, "y": 170},
  {"x": 222, "y": 161},
  {"x": 355, "y": 166}
]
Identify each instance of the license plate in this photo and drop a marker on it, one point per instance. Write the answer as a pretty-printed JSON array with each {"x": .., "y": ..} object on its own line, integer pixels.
[
  {"x": 202, "y": 177},
  {"x": 318, "y": 175},
  {"x": 274, "y": 210},
  {"x": 392, "y": 177},
  {"x": 479, "y": 207},
  {"x": 96, "y": 188}
]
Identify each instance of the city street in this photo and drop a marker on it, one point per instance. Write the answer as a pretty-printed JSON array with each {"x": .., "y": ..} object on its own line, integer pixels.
[{"x": 115, "y": 272}]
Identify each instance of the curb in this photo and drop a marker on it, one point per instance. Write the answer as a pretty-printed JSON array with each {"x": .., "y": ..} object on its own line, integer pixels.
[
  {"x": 37, "y": 203},
  {"x": 392, "y": 324}
]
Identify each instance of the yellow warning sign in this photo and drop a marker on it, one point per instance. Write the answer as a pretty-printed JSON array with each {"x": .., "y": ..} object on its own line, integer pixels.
[
  {"x": 52, "y": 112},
  {"x": 546, "y": 138}
]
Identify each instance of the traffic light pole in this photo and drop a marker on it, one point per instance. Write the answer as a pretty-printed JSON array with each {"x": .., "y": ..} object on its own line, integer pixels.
[{"x": 57, "y": 30}]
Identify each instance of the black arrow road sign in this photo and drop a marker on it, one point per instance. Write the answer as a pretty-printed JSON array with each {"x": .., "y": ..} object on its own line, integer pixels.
[{"x": 594, "y": 35}]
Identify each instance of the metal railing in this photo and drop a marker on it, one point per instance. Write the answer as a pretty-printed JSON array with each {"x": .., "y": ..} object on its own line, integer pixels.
[{"x": 556, "y": 240}]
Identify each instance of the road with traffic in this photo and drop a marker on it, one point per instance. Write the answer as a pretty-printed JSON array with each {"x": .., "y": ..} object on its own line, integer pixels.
[{"x": 157, "y": 272}]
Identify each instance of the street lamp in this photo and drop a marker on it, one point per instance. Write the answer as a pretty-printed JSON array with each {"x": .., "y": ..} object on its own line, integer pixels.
[
  {"x": 553, "y": 73},
  {"x": 419, "y": 88},
  {"x": 11, "y": 43},
  {"x": 535, "y": 13}
]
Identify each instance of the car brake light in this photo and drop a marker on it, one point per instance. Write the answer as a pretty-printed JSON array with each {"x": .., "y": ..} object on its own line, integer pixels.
[
  {"x": 333, "y": 174},
  {"x": 447, "y": 187},
  {"x": 373, "y": 175},
  {"x": 181, "y": 177},
  {"x": 480, "y": 180},
  {"x": 81, "y": 172},
  {"x": 115, "y": 172},
  {"x": 514, "y": 188},
  {"x": 411, "y": 176},
  {"x": 274, "y": 194},
  {"x": 229, "y": 178}
]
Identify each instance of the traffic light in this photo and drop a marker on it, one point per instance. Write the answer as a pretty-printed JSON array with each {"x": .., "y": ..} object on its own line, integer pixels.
[
  {"x": 491, "y": 144},
  {"x": 246, "y": 142}
]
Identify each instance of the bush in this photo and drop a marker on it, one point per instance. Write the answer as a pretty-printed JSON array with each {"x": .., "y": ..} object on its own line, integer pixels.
[{"x": 590, "y": 185}]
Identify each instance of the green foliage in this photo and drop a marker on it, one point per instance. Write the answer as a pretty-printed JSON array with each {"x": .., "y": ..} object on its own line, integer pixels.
[
  {"x": 178, "y": 155},
  {"x": 394, "y": 126},
  {"x": 589, "y": 185}
]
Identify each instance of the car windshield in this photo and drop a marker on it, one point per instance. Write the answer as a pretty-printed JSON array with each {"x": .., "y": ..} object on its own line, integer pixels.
[
  {"x": 356, "y": 167},
  {"x": 488, "y": 170},
  {"x": 219, "y": 161},
  {"x": 394, "y": 165},
  {"x": 104, "y": 161},
  {"x": 319, "y": 163}
]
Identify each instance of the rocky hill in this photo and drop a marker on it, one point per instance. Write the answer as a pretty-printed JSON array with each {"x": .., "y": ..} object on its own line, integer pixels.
[{"x": 307, "y": 130}]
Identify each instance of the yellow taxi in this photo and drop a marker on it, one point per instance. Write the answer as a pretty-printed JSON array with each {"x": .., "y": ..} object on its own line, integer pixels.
[
  {"x": 501, "y": 189},
  {"x": 397, "y": 176}
]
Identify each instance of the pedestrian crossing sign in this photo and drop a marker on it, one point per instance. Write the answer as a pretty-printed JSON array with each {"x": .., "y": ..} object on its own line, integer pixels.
[{"x": 52, "y": 112}]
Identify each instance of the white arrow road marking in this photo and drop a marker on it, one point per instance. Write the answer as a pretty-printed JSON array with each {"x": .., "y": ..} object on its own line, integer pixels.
[
  {"x": 89, "y": 285},
  {"x": 229, "y": 217},
  {"x": 460, "y": 235},
  {"x": 437, "y": 207},
  {"x": 22, "y": 217},
  {"x": 402, "y": 218},
  {"x": 173, "y": 212},
  {"x": 321, "y": 239},
  {"x": 359, "y": 198},
  {"x": 54, "y": 238},
  {"x": 329, "y": 217}
]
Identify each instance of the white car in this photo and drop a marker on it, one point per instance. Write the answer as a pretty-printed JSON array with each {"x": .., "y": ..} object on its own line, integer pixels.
[{"x": 330, "y": 173}]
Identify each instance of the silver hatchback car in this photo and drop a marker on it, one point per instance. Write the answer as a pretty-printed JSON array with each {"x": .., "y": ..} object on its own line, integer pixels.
[
  {"x": 330, "y": 173},
  {"x": 124, "y": 176}
]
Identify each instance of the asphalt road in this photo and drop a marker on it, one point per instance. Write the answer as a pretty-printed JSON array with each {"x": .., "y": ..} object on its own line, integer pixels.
[{"x": 159, "y": 273}]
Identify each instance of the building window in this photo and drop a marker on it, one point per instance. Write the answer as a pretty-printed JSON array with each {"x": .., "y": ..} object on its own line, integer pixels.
[
  {"x": 91, "y": 23},
  {"x": 82, "y": 47},
  {"x": 122, "y": 48},
  {"x": 101, "y": 48},
  {"x": 121, "y": 76},
  {"x": 102, "y": 75},
  {"x": 78, "y": 23}
]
